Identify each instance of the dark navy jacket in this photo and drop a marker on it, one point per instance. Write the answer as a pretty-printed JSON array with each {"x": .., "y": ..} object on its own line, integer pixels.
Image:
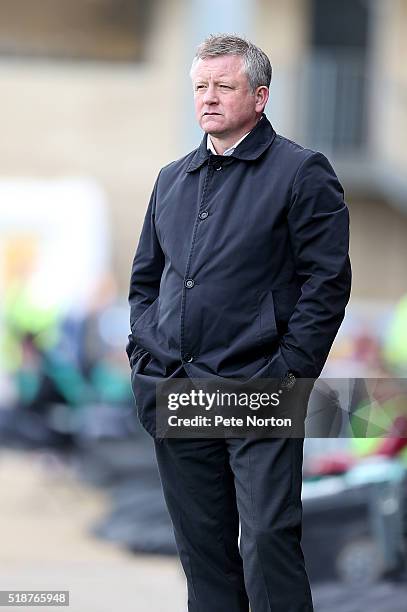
[{"x": 242, "y": 267}]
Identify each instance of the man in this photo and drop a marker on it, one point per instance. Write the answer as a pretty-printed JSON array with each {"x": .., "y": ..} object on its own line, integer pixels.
[{"x": 242, "y": 270}]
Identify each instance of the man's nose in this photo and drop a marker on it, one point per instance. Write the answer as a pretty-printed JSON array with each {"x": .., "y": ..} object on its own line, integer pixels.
[{"x": 210, "y": 96}]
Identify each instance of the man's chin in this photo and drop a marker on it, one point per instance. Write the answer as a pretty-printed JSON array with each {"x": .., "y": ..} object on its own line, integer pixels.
[{"x": 212, "y": 126}]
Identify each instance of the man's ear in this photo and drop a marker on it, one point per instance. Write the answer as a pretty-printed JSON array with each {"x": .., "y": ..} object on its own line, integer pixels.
[{"x": 261, "y": 97}]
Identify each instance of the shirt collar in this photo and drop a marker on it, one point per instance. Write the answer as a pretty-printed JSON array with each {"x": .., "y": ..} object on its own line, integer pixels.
[{"x": 228, "y": 151}]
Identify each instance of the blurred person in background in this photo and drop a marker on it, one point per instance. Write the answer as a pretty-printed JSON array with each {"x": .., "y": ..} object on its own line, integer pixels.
[{"x": 242, "y": 270}]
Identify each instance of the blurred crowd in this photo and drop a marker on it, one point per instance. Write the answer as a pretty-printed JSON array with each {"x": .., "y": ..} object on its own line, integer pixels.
[{"x": 56, "y": 367}]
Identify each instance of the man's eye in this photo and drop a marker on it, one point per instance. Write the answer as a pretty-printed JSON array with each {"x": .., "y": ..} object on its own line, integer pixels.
[
  {"x": 197, "y": 87},
  {"x": 225, "y": 86}
]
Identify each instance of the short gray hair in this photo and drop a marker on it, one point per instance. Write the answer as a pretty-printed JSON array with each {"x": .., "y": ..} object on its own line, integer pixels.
[{"x": 256, "y": 63}]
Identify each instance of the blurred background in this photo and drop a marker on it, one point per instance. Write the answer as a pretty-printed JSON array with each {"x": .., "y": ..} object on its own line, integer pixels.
[{"x": 95, "y": 99}]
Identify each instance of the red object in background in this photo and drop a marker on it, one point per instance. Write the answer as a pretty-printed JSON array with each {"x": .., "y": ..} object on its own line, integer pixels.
[
  {"x": 331, "y": 465},
  {"x": 397, "y": 439},
  {"x": 339, "y": 463}
]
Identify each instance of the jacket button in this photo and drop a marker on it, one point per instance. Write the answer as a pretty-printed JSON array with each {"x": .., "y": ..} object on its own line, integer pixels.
[
  {"x": 189, "y": 358},
  {"x": 204, "y": 214},
  {"x": 189, "y": 283},
  {"x": 217, "y": 166}
]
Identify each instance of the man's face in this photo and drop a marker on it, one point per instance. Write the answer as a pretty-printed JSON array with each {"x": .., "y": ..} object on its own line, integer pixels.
[{"x": 225, "y": 106}]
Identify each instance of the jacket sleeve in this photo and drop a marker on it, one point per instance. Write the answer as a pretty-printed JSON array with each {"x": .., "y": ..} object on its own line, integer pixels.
[
  {"x": 318, "y": 222},
  {"x": 148, "y": 264}
]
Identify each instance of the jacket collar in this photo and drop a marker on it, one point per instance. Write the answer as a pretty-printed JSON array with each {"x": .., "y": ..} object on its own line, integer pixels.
[{"x": 255, "y": 143}]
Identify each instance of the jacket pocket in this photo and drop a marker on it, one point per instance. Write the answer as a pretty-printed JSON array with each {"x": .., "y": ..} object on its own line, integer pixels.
[{"x": 267, "y": 319}]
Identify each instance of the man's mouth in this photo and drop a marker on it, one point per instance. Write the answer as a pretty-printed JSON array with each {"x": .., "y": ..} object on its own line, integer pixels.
[{"x": 210, "y": 114}]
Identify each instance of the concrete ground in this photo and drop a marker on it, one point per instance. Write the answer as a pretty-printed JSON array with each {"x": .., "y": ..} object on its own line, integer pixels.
[{"x": 45, "y": 543}]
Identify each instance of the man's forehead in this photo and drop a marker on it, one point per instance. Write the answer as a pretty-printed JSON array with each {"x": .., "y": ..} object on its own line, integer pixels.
[{"x": 221, "y": 66}]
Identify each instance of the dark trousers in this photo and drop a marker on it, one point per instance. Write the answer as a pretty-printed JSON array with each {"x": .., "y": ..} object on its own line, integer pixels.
[{"x": 208, "y": 486}]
